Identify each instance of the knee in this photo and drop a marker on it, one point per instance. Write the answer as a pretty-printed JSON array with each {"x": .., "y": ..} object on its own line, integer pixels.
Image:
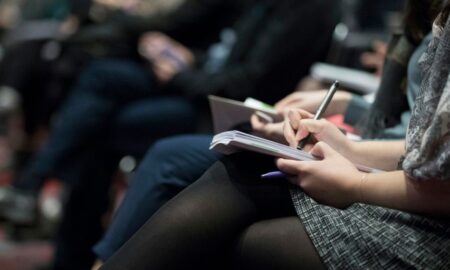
[
  {"x": 280, "y": 243},
  {"x": 255, "y": 241},
  {"x": 160, "y": 160},
  {"x": 180, "y": 147},
  {"x": 164, "y": 148},
  {"x": 177, "y": 161}
]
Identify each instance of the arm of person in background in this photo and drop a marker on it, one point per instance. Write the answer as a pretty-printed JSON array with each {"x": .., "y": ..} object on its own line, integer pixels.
[
  {"x": 310, "y": 101},
  {"x": 277, "y": 55},
  {"x": 184, "y": 21},
  {"x": 375, "y": 59},
  {"x": 334, "y": 180}
]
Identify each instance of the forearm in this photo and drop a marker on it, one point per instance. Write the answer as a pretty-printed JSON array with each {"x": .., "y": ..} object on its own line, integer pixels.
[
  {"x": 396, "y": 191},
  {"x": 383, "y": 155}
]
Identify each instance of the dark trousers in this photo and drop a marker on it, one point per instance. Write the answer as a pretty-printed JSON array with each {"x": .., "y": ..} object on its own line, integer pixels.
[
  {"x": 111, "y": 97},
  {"x": 114, "y": 109},
  {"x": 168, "y": 167}
]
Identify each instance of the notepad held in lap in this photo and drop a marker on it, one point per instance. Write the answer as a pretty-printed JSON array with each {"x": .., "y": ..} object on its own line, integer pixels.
[{"x": 234, "y": 141}]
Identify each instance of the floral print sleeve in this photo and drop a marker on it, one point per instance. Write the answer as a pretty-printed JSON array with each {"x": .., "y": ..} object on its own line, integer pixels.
[{"x": 428, "y": 138}]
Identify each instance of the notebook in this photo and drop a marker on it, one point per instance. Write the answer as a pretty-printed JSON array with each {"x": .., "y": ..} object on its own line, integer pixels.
[
  {"x": 228, "y": 113},
  {"x": 234, "y": 141}
]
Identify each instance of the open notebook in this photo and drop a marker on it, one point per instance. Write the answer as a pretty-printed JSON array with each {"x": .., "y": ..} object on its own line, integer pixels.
[{"x": 234, "y": 141}]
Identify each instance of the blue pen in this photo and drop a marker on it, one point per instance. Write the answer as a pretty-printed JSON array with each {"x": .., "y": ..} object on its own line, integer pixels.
[{"x": 273, "y": 175}]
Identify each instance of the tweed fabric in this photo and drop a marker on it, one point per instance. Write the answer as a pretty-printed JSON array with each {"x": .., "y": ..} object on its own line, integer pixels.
[{"x": 369, "y": 237}]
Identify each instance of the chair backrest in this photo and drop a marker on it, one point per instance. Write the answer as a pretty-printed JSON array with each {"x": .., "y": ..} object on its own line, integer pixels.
[{"x": 352, "y": 37}]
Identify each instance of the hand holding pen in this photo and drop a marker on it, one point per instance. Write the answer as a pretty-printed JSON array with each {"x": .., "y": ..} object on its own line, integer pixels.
[{"x": 296, "y": 134}]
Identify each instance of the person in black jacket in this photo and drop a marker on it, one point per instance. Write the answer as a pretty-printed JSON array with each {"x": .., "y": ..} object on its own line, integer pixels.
[{"x": 275, "y": 44}]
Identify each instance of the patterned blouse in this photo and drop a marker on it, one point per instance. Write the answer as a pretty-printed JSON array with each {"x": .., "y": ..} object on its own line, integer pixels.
[{"x": 428, "y": 137}]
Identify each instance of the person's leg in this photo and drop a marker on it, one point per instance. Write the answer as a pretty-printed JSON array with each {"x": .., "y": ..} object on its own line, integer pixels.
[
  {"x": 169, "y": 166},
  {"x": 280, "y": 243},
  {"x": 89, "y": 174},
  {"x": 145, "y": 121},
  {"x": 101, "y": 91},
  {"x": 204, "y": 222},
  {"x": 83, "y": 209}
]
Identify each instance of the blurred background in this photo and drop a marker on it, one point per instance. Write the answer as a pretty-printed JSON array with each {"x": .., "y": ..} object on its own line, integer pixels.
[{"x": 46, "y": 44}]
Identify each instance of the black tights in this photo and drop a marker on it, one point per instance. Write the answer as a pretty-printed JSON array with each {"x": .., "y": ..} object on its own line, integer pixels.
[{"x": 228, "y": 219}]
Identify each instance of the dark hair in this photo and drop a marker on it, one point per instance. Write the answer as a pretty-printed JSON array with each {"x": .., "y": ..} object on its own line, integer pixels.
[
  {"x": 419, "y": 17},
  {"x": 445, "y": 12}
]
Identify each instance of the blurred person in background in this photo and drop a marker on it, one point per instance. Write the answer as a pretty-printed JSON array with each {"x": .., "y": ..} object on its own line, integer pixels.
[{"x": 47, "y": 43}]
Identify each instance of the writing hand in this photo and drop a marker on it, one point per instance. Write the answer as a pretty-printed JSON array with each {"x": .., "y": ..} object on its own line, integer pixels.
[{"x": 298, "y": 124}]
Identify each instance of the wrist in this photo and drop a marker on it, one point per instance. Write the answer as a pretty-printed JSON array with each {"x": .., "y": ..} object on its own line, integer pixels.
[{"x": 359, "y": 194}]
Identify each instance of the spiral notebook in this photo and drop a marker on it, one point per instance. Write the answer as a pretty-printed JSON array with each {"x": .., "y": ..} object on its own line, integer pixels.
[{"x": 230, "y": 142}]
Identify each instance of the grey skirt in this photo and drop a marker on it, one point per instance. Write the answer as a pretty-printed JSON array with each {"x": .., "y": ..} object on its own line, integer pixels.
[{"x": 369, "y": 237}]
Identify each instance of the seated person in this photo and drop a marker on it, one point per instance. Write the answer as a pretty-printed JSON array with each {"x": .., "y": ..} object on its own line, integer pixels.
[
  {"x": 326, "y": 213},
  {"x": 173, "y": 164}
]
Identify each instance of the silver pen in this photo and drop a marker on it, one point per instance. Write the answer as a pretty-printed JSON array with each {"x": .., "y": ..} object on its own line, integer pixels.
[{"x": 322, "y": 108}]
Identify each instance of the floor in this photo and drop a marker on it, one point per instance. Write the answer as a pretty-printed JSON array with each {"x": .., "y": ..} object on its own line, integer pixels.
[{"x": 31, "y": 254}]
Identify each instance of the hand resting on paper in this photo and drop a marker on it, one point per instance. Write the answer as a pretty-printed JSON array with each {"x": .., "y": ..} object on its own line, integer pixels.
[{"x": 271, "y": 131}]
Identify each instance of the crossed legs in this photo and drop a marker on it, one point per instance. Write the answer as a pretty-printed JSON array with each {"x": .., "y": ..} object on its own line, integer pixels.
[{"x": 228, "y": 218}]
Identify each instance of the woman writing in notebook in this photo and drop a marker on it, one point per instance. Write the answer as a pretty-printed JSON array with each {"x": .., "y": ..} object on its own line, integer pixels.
[{"x": 327, "y": 214}]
